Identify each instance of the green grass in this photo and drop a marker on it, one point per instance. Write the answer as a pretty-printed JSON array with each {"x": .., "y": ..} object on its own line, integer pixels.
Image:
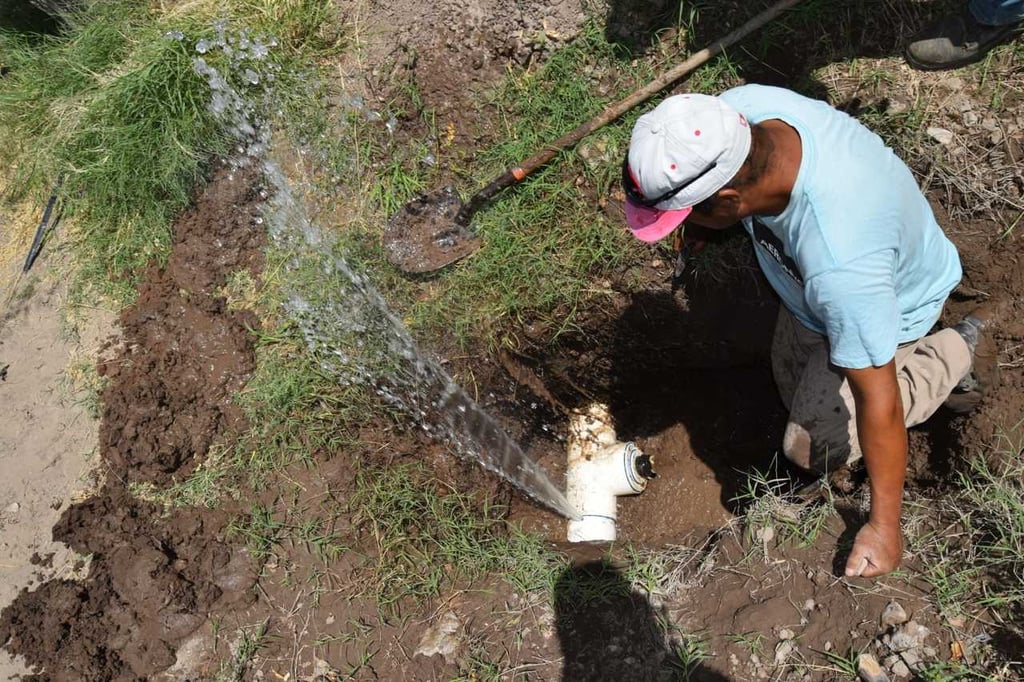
[
  {"x": 976, "y": 558},
  {"x": 115, "y": 107},
  {"x": 427, "y": 534},
  {"x": 770, "y": 516},
  {"x": 250, "y": 641}
]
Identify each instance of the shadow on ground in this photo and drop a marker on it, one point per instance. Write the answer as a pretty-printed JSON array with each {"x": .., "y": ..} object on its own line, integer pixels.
[
  {"x": 609, "y": 632},
  {"x": 787, "y": 51}
]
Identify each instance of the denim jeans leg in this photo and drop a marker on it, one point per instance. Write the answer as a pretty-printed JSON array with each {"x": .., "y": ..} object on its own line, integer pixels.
[{"x": 997, "y": 12}]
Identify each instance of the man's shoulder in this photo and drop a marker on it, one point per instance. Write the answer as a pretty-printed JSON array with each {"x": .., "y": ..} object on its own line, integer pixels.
[{"x": 764, "y": 97}]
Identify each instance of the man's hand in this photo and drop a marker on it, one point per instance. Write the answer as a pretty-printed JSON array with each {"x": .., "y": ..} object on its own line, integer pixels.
[{"x": 876, "y": 551}]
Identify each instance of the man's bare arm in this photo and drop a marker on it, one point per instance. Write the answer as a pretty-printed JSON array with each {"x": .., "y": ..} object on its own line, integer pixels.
[{"x": 883, "y": 441}]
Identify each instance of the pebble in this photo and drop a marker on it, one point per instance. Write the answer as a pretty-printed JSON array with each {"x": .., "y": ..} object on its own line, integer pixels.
[
  {"x": 443, "y": 638},
  {"x": 893, "y": 615},
  {"x": 897, "y": 667},
  {"x": 785, "y": 634},
  {"x": 809, "y": 605},
  {"x": 12, "y": 508},
  {"x": 868, "y": 669},
  {"x": 910, "y": 636},
  {"x": 940, "y": 135},
  {"x": 782, "y": 651}
]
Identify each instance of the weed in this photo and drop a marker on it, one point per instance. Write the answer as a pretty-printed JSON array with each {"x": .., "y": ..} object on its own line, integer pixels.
[
  {"x": 260, "y": 530},
  {"x": 976, "y": 553},
  {"x": 843, "y": 663},
  {"x": 688, "y": 655},
  {"x": 752, "y": 641},
  {"x": 250, "y": 641},
  {"x": 768, "y": 514},
  {"x": 427, "y": 534}
]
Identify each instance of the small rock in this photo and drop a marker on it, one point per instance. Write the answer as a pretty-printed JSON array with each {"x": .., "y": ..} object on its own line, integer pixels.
[
  {"x": 782, "y": 651},
  {"x": 828, "y": 645},
  {"x": 442, "y": 638},
  {"x": 929, "y": 652},
  {"x": 868, "y": 669},
  {"x": 910, "y": 636},
  {"x": 940, "y": 135},
  {"x": 329, "y": 620},
  {"x": 899, "y": 669},
  {"x": 809, "y": 605},
  {"x": 970, "y": 119},
  {"x": 12, "y": 508},
  {"x": 911, "y": 658},
  {"x": 785, "y": 634},
  {"x": 893, "y": 615}
]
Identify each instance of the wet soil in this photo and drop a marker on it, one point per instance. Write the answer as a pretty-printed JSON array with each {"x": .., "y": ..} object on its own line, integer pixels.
[{"x": 155, "y": 574}]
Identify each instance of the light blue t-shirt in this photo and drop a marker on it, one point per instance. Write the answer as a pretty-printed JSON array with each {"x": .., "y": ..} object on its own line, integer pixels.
[{"x": 856, "y": 255}]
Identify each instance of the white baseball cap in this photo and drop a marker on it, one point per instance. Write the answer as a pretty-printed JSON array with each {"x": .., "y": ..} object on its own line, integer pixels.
[{"x": 682, "y": 152}]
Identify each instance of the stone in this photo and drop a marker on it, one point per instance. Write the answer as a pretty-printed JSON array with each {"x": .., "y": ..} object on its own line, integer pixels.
[
  {"x": 12, "y": 508},
  {"x": 785, "y": 634},
  {"x": 910, "y": 636},
  {"x": 809, "y": 605},
  {"x": 970, "y": 119},
  {"x": 899, "y": 668},
  {"x": 868, "y": 669},
  {"x": 940, "y": 135},
  {"x": 783, "y": 651},
  {"x": 442, "y": 638},
  {"x": 893, "y": 615},
  {"x": 911, "y": 658}
]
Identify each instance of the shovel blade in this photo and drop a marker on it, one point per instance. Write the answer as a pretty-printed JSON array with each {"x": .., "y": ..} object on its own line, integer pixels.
[{"x": 423, "y": 236}]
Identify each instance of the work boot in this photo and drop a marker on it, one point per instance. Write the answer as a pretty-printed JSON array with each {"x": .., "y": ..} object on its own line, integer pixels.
[
  {"x": 955, "y": 41},
  {"x": 976, "y": 331}
]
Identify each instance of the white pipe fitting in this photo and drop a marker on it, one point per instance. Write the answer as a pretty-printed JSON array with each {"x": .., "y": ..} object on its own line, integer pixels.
[{"x": 600, "y": 469}]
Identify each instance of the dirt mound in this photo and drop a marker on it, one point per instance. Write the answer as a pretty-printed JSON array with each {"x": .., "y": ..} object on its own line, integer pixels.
[
  {"x": 183, "y": 353},
  {"x": 141, "y": 599},
  {"x": 155, "y": 576}
]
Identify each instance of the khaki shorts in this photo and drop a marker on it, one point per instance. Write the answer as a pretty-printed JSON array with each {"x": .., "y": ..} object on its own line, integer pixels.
[{"x": 821, "y": 434}]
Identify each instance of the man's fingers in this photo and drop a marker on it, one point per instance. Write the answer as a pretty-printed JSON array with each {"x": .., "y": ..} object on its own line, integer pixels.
[{"x": 857, "y": 570}]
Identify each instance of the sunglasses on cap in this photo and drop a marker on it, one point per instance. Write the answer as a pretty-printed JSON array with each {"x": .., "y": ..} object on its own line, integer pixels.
[{"x": 634, "y": 194}]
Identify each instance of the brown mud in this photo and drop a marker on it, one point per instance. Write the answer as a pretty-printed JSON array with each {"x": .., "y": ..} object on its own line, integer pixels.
[{"x": 156, "y": 574}]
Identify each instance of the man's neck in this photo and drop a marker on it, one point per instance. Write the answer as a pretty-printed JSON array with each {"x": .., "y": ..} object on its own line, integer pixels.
[{"x": 771, "y": 195}]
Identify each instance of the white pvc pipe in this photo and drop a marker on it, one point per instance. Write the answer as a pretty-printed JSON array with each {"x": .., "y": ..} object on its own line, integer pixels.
[{"x": 599, "y": 470}]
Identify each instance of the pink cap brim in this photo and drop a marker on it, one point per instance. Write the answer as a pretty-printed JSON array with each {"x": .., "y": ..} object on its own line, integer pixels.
[{"x": 651, "y": 224}]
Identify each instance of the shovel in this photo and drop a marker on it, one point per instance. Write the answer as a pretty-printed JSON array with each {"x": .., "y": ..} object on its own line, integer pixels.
[{"x": 433, "y": 230}]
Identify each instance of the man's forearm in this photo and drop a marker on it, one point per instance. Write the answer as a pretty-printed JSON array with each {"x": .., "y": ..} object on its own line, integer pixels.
[{"x": 883, "y": 442}]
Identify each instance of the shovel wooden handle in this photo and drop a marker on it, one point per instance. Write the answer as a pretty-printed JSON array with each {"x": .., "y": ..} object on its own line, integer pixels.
[{"x": 613, "y": 111}]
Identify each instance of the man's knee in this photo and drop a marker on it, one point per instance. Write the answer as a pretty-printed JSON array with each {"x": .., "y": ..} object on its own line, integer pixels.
[{"x": 814, "y": 451}]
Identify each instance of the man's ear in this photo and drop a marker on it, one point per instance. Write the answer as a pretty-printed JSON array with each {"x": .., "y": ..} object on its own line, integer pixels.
[{"x": 727, "y": 202}]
